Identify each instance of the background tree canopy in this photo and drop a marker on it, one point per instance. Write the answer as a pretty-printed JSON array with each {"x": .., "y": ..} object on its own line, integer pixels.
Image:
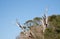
[{"x": 53, "y": 30}]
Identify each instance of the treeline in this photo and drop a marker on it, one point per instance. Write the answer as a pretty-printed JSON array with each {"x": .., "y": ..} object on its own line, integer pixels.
[{"x": 53, "y": 30}]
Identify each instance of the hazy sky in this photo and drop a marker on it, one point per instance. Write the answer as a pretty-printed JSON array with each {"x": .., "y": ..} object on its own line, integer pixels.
[{"x": 23, "y": 10}]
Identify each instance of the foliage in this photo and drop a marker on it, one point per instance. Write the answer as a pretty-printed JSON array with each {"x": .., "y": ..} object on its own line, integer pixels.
[
  {"x": 28, "y": 23},
  {"x": 37, "y": 20},
  {"x": 51, "y": 32}
]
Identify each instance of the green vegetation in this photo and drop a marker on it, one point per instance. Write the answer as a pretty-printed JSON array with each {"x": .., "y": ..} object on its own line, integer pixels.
[{"x": 51, "y": 32}]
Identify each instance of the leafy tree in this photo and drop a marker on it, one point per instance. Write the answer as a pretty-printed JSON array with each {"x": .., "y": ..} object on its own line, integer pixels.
[
  {"x": 29, "y": 23},
  {"x": 53, "y": 32},
  {"x": 37, "y": 20}
]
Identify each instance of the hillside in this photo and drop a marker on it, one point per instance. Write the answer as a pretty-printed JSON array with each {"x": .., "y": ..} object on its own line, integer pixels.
[{"x": 51, "y": 32}]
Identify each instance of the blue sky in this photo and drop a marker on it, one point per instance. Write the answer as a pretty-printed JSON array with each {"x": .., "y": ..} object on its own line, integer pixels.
[{"x": 23, "y": 10}]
